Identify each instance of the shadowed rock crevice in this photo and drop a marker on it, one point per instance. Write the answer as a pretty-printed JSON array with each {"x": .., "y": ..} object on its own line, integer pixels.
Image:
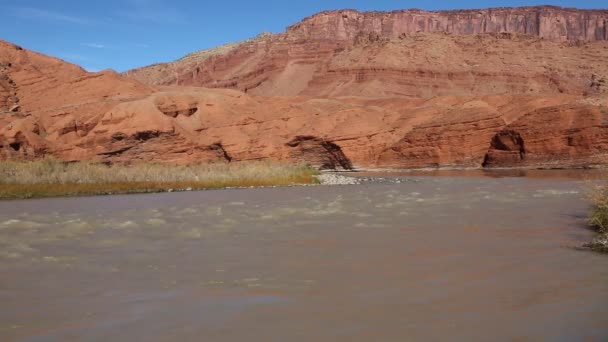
[
  {"x": 16, "y": 146},
  {"x": 319, "y": 153},
  {"x": 161, "y": 147},
  {"x": 21, "y": 146},
  {"x": 119, "y": 137},
  {"x": 220, "y": 151},
  {"x": 9, "y": 102},
  {"x": 175, "y": 106},
  {"x": 507, "y": 148},
  {"x": 146, "y": 135},
  {"x": 175, "y": 113},
  {"x": 115, "y": 152}
]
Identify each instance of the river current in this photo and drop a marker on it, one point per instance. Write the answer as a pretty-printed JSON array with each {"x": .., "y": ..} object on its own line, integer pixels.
[{"x": 428, "y": 258}]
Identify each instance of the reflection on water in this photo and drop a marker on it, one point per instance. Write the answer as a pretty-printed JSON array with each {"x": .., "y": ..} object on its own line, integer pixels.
[{"x": 435, "y": 258}]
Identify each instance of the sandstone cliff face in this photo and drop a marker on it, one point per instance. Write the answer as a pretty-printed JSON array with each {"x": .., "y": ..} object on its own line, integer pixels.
[
  {"x": 572, "y": 135},
  {"x": 547, "y": 22},
  {"x": 538, "y": 50},
  {"x": 115, "y": 120},
  {"x": 362, "y": 99},
  {"x": 501, "y": 131},
  {"x": 45, "y": 99}
]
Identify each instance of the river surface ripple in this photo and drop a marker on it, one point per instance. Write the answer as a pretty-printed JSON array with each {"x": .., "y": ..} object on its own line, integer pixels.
[{"x": 430, "y": 258}]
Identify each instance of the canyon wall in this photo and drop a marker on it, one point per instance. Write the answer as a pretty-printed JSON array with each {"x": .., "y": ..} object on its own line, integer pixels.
[
  {"x": 340, "y": 90},
  {"x": 548, "y": 22},
  {"x": 74, "y": 115},
  {"x": 541, "y": 50}
]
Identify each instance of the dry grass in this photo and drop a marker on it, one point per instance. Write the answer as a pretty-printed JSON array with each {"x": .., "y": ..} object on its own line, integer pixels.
[
  {"x": 50, "y": 177},
  {"x": 598, "y": 217}
]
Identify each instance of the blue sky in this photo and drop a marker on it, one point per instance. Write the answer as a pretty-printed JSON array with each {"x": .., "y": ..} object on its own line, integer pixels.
[{"x": 123, "y": 34}]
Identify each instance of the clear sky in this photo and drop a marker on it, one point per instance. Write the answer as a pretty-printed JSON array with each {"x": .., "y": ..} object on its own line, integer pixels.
[{"x": 123, "y": 34}]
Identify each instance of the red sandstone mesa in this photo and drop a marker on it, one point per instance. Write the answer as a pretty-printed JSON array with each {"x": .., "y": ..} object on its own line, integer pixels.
[
  {"x": 513, "y": 50},
  {"x": 485, "y": 88}
]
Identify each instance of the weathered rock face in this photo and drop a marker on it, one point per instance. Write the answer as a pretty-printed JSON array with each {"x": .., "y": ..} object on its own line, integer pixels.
[
  {"x": 44, "y": 100},
  {"x": 547, "y": 22},
  {"x": 319, "y": 153},
  {"x": 9, "y": 102},
  {"x": 572, "y": 135},
  {"x": 506, "y": 149},
  {"x": 21, "y": 139},
  {"x": 355, "y": 95},
  {"x": 535, "y": 50},
  {"x": 499, "y": 131}
]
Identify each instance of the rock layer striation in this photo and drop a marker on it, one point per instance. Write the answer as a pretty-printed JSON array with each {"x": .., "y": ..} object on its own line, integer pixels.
[
  {"x": 548, "y": 22},
  {"x": 539, "y": 50},
  {"x": 405, "y": 89}
]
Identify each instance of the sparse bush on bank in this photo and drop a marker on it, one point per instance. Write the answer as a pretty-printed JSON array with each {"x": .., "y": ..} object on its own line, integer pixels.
[
  {"x": 598, "y": 218},
  {"x": 51, "y": 177}
]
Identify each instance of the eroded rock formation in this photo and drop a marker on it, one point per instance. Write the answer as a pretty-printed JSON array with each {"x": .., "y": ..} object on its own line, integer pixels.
[
  {"x": 534, "y": 50},
  {"x": 507, "y": 148},
  {"x": 361, "y": 90},
  {"x": 319, "y": 153},
  {"x": 571, "y": 135},
  {"x": 547, "y": 22}
]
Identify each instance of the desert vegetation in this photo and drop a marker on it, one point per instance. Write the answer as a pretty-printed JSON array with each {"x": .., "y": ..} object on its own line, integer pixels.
[
  {"x": 598, "y": 218},
  {"x": 51, "y": 177}
]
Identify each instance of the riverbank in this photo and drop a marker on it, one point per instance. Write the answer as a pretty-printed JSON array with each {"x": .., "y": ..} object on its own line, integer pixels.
[
  {"x": 598, "y": 218},
  {"x": 54, "y": 178},
  {"x": 599, "y": 243}
]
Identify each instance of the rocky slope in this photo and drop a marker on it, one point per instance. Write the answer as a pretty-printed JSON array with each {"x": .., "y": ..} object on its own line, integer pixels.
[
  {"x": 44, "y": 99},
  {"x": 356, "y": 93},
  {"x": 101, "y": 116},
  {"x": 503, "y": 131},
  {"x": 533, "y": 50}
]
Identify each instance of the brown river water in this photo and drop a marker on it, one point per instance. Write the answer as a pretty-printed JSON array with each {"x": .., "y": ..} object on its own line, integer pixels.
[{"x": 431, "y": 258}]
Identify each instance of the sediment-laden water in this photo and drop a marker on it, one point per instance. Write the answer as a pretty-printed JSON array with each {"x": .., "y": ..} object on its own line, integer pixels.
[{"x": 430, "y": 258}]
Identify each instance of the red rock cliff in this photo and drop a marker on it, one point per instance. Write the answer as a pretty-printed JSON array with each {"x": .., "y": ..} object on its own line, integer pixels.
[
  {"x": 547, "y": 22},
  {"x": 548, "y": 50},
  {"x": 365, "y": 98}
]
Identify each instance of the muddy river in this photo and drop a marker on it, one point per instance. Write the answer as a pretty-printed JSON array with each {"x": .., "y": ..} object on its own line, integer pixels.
[{"x": 429, "y": 258}]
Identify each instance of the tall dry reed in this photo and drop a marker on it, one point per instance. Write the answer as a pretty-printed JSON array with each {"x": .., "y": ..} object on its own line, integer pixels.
[
  {"x": 598, "y": 217},
  {"x": 50, "y": 177}
]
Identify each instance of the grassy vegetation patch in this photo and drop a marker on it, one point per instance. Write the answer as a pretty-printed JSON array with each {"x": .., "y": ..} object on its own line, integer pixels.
[
  {"x": 51, "y": 177},
  {"x": 598, "y": 218}
]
